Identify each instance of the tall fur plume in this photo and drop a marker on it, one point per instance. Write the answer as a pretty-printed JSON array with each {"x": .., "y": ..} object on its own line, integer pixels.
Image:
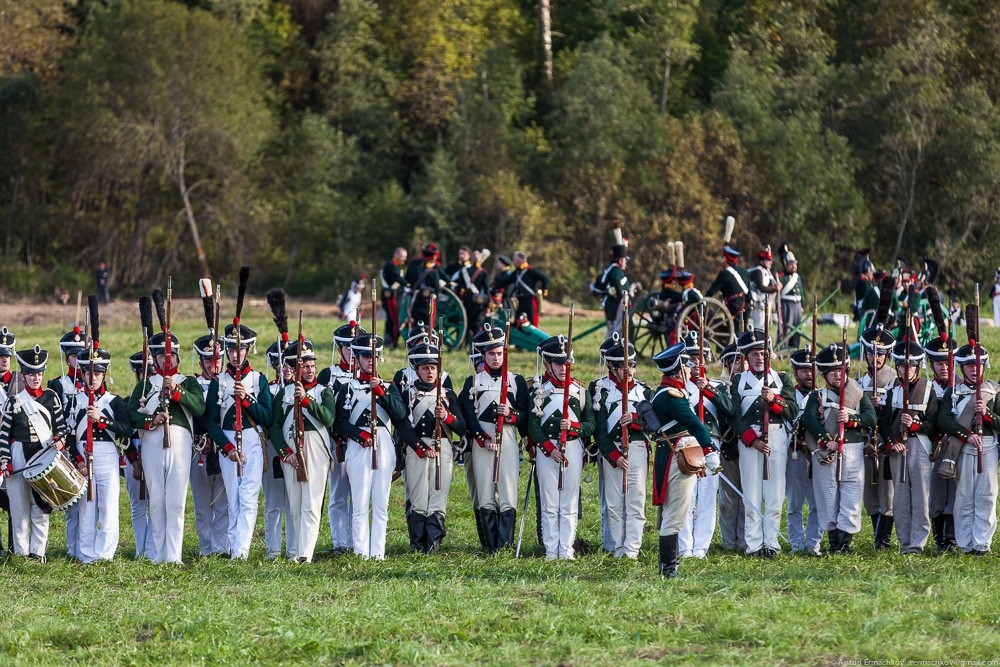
[
  {"x": 207, "y": 301},
  {"x": 972, "y": 322},
  {"x": 241, "y": 291},
  {"x": 95, "y": 319},
  {"x": 934, "y": 300},
  {"x": 159, "y": 303},
  {"x": 146, "y": 314},
  {"x": 276, "y": 300},
  {"x": 885, "y": 300}
]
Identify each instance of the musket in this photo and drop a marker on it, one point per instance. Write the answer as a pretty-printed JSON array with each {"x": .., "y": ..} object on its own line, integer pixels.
[
  {"x": 163, "y": 315},
  {"x": 908, "y": 323},
  {"x": 765, "y": 421},
  {"x": 567, "y": 382},
  {"x": 625, "y": 389},
  {"x": 701, "y": 362},
  {"x": 95, "y": 333},
  {"x": 238, "y": 373},
  {"x": 777, "y": 307},
  {"x": 210, "y": 304},
  {"x": 301, "y": 474},
  {"x": 498, "y": 436},
  {"x": 146, "y": 321},
  {"x": 437, "y": 400},
  {"x": 844, "y": 379},
  {"x": 373, "y": 420},
  {"x": 437, "y": 420},
  {"x": 972, "y": 328}
]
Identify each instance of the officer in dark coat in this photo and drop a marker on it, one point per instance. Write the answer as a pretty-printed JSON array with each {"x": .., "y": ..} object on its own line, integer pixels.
[{"x": 733, "y": 282}]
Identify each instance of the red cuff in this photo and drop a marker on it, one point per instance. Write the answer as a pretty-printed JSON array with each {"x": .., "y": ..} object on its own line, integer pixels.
[
  {"x": 548, "y": 447},
  {"x": 228, "y": 448},
  {"x": 449, "y": 419},
  {"x": 101, "y": 423},
  {"x": 379, "y": 391},
  {"x": 481, "y": 440},
  {"x": 748, "y": 437},
  {"x": 915, "y": 426},
  {"x": 708, "y": 393},
  {"x": 149, "y": 424},
  {"x": 775, "y": 408},
  {"x": 80, "y": 459},
  {"x": 707, "y": 450},
  {"x": 635, "y": 425},
  {"x": 10, "y": 467},
  {"x": 176, "y": 396},
  {"x": 245, "y": 403},
  {"x": 304, "y": 402},
  {"x": 988, "y": 417},
  {"x": 615, "y": 456},
  {"x": 289, "y": 450},
  {"x": 364, "y": 435}
]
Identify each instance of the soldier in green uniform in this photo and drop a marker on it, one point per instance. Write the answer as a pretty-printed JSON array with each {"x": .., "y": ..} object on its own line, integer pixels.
[
  {"x": 753, "y": 393},
  {"x": 942, "y": 504},
  {"x": 167, "y": 466},
  {"x": 677, "y": 428},
  {"x": 613, "y": 284},
  {"x": 733, "y": 282},
  {"x": 838, "y": 500},
  {"x": 625, "y": 512},
  {"x": 307, "y": 444},
  {"x": 791, "y": 294},
  {"x": 804, "y": 535},
  {"x": 975, "y": 493},
  {"x": 907, "y": 429},
  {"x": 560, "y": 445},
  {"x": 876, "y": 343}
]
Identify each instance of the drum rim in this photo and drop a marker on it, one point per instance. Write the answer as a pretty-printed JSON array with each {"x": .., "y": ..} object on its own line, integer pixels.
[{"x": 49, "y": 468}]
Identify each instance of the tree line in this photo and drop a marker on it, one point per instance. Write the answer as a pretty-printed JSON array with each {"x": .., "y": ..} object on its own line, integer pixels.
[{"x": 311, "y": 137}]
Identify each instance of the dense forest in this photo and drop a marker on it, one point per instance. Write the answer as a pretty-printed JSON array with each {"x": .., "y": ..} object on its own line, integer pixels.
[{"x": 308, "y": 138}]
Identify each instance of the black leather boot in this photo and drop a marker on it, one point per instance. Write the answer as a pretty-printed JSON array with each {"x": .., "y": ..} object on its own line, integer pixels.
[
  {"x": 845, "y": 542},
  {"x": 435, "y": 531},
  {"x": 834, "y": 536},
  {"x": 507, "y": 522},
  {"x": 948, "y": 532},
  {"x": 490, "y": 518},
  {"x": 411, "y": 530},
  {"x": 479, "y": 528},
  {"x": 670, "y": 558},
  {"x": 883, "y": 538},
  {"x": 937, "y": 531}
]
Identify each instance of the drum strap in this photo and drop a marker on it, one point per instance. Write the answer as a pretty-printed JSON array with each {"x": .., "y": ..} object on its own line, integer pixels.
[{"x": 31, "y": 409}]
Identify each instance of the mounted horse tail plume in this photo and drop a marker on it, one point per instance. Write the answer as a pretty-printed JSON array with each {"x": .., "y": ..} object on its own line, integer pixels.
[
  {"x": 146, "y": 315},
  {"x": 934, "y": 300},
  {"x": 241, "y": 293},
  {"x": 95, "y": 320},
  {"x": 207, "y": 292},
  {"x": 972, "y": 323},
  {"x": 885, "y": 300},
  {"x": 159, "y": 302},
  {"x": 276, "y": 302}
]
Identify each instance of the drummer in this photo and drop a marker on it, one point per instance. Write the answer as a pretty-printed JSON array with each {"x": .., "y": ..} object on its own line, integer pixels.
[
  {"x": 32, "y": 421},
  {"x": 98, "y": 518}
]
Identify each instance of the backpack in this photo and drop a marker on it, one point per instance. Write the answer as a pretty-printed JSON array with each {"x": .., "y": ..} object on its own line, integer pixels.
[{"x": 599, "y": 288}]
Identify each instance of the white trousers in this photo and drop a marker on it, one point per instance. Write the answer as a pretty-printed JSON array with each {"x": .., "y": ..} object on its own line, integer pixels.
[
  {"x": 339, "y": 513},
  {"x": 607, "y": 541},
  {"x": 839, "y": 504},
  {"x": 305, "y": 499},
  {"x": 696, "y": 536},
  {"x": 142, "y": 528},
  {"x": 680, "y": 492},
  {"x": 768, "y": 496},
  {"x": 167, "y": 472},
  {"x": 626, "y": 513},
  {"x": 911, "y": 501},
  {"x": 370, "y": 490},
  {"x": 277, "y": 510},
  {"x": 98, "y": 518},
  {"x": 243, "y": 492},
  {"x": 420, "y": 477},
  {"x": 976, "y": 498},
  {"x": 30, "y": 534},
  {"x": 211, "y": 510},
  {"x": 804, "y": 535},
  {"x": 73, "y": 528},
  {"x": 996, "y": 312},
  {"x": 560, "y": 509}
]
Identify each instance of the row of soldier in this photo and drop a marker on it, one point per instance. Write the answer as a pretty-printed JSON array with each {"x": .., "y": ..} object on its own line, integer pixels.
[{"x": 226, "y": 471}]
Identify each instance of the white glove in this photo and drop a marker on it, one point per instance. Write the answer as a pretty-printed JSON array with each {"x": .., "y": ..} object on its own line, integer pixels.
[{"x": 713, "y": 463}]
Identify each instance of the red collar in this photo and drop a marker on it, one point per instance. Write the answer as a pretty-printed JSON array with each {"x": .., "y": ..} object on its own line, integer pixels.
[
  {"x": 243, "y": 373},
  {"x": 35, "y": 393},
  {"x": 344, "y": 366},
  {"x": 618, "y": 383},
  {"x": 365, "y": 377},
  {"x": 74, "y": 373},
  {"x": 309, "y": 385},
  {"x": 7, "y": 377},
  {"x": 555, "y": 383},
  {"x": 676, "y": 383}
]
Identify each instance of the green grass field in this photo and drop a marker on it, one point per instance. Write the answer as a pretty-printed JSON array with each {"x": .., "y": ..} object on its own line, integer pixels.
[{"x": 459, "y": 607}]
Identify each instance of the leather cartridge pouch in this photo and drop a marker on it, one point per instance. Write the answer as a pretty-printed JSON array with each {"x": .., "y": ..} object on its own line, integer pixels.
[{"x": 691, "y": 460}]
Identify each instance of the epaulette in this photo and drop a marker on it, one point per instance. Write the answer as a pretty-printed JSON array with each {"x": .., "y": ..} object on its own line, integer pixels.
[
  {"x": 578, "y": 384},
  {"x": 676, "y": 393}
]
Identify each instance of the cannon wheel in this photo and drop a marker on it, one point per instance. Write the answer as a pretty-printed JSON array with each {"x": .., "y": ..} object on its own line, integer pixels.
[
  {"x": 720, "y": 330},
  {"x": 451, "y": 318},
  {"x": 648, "y": 330}
]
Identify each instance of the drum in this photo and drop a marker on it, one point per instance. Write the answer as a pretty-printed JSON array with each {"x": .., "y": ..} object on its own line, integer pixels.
[{"x": 55, "y": 479}]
